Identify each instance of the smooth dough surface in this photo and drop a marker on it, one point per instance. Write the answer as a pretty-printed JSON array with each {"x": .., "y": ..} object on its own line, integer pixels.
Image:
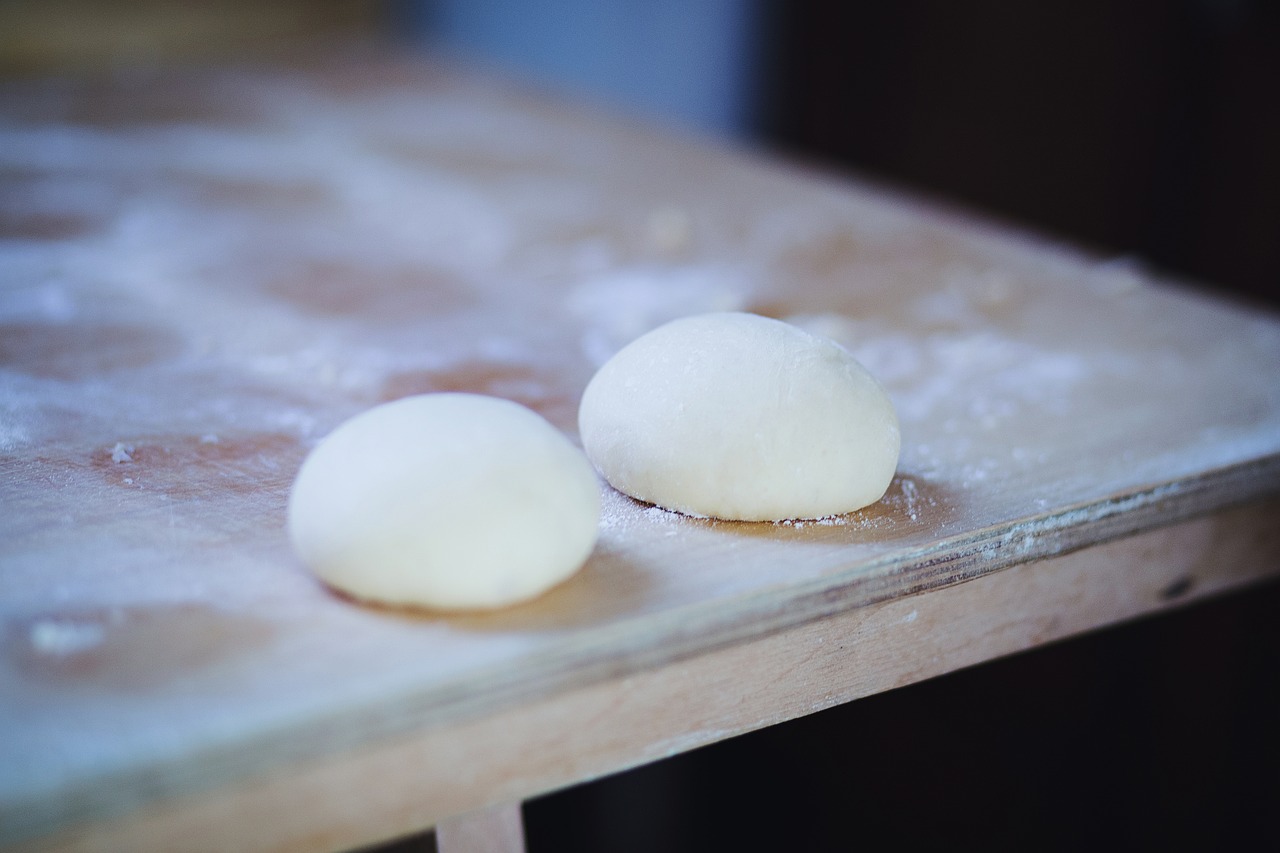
[
  {"x": 449, "y": 501},
  {"x": 740, "y": 417}
]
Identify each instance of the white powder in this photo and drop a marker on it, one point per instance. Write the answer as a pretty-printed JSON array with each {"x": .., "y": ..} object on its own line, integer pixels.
[
  {"x": 618, "y": 307},
  {"x": 52, "y": 637}
]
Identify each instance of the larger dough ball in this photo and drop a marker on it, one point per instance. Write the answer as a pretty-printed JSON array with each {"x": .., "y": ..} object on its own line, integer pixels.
[
  {"x": 738, "y": 416},
  {"x": 452, "y": 501}
]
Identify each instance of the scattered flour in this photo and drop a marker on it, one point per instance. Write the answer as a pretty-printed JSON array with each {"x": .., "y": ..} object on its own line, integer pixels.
[
  {"x": 52, "y": 637},
  {"x": 618, "y": 307}
]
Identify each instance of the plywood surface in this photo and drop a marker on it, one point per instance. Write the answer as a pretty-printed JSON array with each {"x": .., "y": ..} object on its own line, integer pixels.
[{"x": 202, "y": 274}]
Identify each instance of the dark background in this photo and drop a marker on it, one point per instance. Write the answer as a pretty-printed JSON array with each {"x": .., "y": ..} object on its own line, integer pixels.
[{"x": 1144, "y": 127}]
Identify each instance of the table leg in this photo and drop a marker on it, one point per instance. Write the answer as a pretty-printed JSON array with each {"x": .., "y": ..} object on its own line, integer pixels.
[{"x": 496, "y": 829}]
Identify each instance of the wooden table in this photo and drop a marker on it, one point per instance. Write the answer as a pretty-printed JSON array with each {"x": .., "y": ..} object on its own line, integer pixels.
[{"x": 203, "y": 272}]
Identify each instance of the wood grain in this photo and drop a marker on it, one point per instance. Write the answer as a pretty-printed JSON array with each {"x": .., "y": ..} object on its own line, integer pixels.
[{"x": 204, "y": 273}]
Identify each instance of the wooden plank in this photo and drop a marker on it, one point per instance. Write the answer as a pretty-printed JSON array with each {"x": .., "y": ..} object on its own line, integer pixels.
[
  {"x": 204, "y": 273},
  {"x": 391, "y": 788},
  {"x": 497, "y": 829}
]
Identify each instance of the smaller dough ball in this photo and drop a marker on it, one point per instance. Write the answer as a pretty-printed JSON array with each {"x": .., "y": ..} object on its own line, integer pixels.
[
  {"x": 448, "y": 501},
  {"x": 740, "y": 417}
]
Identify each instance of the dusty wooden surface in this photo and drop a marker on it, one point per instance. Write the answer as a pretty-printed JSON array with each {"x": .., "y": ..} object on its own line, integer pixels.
[
  {"x": 203, "y": 274},
  {"x": 394, "y": 785}
]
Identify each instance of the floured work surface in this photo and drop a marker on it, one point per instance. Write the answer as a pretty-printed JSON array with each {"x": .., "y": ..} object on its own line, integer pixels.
[{"x": 203, "y": 274}]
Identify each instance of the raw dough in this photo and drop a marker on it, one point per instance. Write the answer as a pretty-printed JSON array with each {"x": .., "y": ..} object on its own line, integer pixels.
[
  {"x": 738, "y": 416},
  {"x": 452, "y": 501}
]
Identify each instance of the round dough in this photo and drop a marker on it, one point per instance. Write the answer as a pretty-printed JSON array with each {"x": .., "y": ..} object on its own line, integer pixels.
[
  {"x": 741, "y": 417},
  {"x": 451, "y": 501}
]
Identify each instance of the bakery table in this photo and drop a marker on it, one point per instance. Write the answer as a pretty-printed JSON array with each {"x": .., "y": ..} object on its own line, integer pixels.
[{"x": 203, "y": 271}]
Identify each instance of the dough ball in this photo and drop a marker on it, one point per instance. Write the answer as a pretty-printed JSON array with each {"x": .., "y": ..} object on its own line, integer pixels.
[
  {"x": 740, "y": 417},
  {"x": 450, "y": 501}
]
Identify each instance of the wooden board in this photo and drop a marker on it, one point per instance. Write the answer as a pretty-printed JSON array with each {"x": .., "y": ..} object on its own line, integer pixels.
[{"x": 203, "y": 273}]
